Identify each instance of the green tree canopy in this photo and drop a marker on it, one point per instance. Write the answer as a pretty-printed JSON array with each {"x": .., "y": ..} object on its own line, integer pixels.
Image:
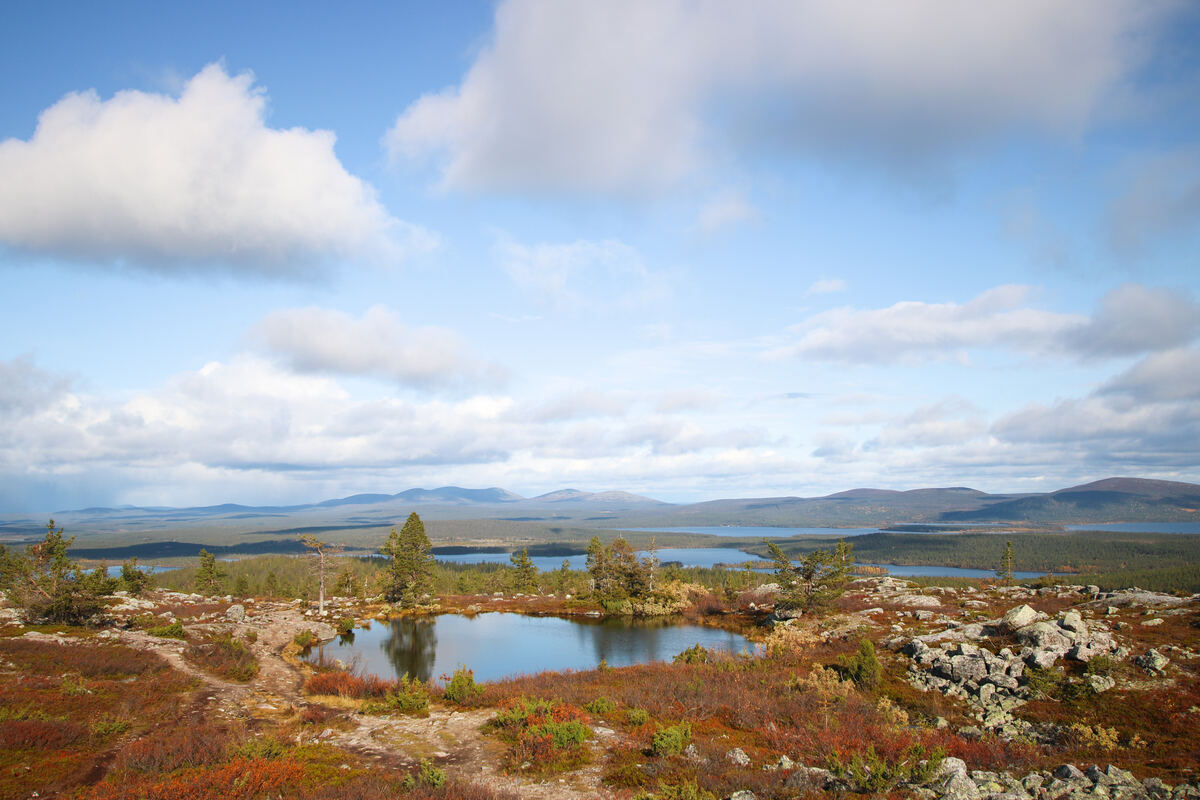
[
  {"x": 410, "y": 575},
  {"x": 47, "y": 585},
  {"x": 210, "y": 579},
  {"x": 820, "y": 577},
  {"x": 525, "y": 578}
]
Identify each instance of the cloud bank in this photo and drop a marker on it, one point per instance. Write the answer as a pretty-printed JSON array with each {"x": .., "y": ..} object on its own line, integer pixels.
[
  {"x": 626, "y": 96},
  {"x": 190, "y": 183},
  {"x": 1131, "y": 320}
]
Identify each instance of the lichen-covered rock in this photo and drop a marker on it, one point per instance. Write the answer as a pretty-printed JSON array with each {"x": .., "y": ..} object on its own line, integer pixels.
[
  {"x": 1019, "y": 617},
  {"x": 737, "y": 756},
  {"x": 1152, "y": 661}
]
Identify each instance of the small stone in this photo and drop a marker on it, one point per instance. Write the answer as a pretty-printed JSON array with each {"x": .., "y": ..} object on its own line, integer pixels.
[
  {"x": 742, "y": 794},
  {"x": 1152, "y": 661},
  {"x": 1069, "y": 772},
  {"x": 236, "y": 613},
  {"x": 1150, "y": 623},
  {"x": 1100, "y": 683}
]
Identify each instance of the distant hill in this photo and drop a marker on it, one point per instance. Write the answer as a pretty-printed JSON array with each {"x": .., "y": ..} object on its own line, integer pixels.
[
  {"x": 1111, "y": 499},
  {"x": 1117, "y": 499}
]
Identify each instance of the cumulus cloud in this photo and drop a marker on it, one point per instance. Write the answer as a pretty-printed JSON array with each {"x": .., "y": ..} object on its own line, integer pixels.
[
  {"x": 194, "y": 182},
  {"x": 248, "y": 429},
  {"x": 581, "y": 273},
  {"x": 632, "y": 95},
  {"x": 379, "y": 345},
  {"x": 1130, "y": 320}
]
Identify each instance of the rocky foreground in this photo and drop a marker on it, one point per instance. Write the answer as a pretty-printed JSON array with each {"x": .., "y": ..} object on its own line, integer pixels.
[{"x": 1003, "y": 667}]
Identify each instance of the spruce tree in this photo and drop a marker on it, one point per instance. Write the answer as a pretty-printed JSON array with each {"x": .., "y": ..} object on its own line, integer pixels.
[
  {"x": 47, "y": 585},
  {"x": 1005, "y": 572},
  {"x": 525, "y": 579},
  {"x": 209, "y": 578},
  {"x": 410, "y": 575}
]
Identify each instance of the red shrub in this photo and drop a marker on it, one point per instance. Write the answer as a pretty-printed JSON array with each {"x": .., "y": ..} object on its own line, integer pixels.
[
  {"x": 168, "y": 750},
  {"x": 38, "y": 734},
  {"x": 236, "y": 780}
]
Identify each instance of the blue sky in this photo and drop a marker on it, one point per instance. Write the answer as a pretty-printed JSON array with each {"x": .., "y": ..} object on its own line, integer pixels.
[{"x": 276, "y": 252}]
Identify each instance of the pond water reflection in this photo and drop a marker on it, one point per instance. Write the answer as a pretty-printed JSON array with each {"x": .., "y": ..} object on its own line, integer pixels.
[{"x": 500, "y": 645}]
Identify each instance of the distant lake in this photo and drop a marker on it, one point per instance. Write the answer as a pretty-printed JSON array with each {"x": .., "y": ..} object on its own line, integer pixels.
[
  {"x": 1140, "y": 527},
  {"x": 501, "y": 645},
  {"x": 689, "y": 556},
  {"x": 762, "y": 532},
  {"x": 114, "y": 570},
  {"x": 901, "y": 571}
]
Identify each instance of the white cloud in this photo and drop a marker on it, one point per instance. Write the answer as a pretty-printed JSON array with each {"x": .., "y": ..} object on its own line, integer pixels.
[
  {"x": 379, "y": 344},
  {"x": 826, "y": 286},
  {"x": 194, "y": 182},
  {"x": 627, "y": 95},
  {"x": 582, "y": 273},
  {"x": 1148, "y": 415},
  {"x": 1131, "y": 320},
  {"x": 913, "y": 331}
]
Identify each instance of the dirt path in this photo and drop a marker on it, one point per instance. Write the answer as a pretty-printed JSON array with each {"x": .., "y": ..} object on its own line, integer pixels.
[{"x": 448, "y": 737}]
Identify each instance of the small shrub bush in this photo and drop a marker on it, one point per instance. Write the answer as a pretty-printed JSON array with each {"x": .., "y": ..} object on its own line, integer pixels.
[
  {"x": 863, "y": 667},
  {"x": 637, "y": 716},
  {"x": 305, "y": 639},
  {"x": 426, "y": 775},
  {"x": 172, "y": 631},
  {"x": 544, "y": 735},
  {"x": 696, "y": 654},
  {"x": 671, "y": 740},
  {"x": 601, "y": 706},
  {"x": 345, "y": 626},
  {"x": 869, "y": 772},
  {"x": 407, "y": 696},
  {"x": 225, "y": 656},
  {"x": 462, "y": 687}
]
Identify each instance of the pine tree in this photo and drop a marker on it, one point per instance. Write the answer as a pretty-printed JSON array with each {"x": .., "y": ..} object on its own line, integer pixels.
[
  {"x": 410, "y": 575},
  {"x": 820, "y": 578},
  {"x": 321, "y": 551},
  {"x": 525, "y": 579},
  {"x": 209, "y": 578},
  {"x": 47, "y": 585}
]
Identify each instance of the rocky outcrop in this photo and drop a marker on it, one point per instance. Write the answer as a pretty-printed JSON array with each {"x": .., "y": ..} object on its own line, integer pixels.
[
  {"x": 995, "y": 683},
  {"x": 953, "y": 780}
]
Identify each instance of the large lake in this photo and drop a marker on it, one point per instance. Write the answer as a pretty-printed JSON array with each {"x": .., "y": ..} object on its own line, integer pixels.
[
  {"x": 688, "y": 556},
  {"x": 1140, "y": 527},
  {"x": 759, "y": 532},
  {"x": 501, "y": 645}
]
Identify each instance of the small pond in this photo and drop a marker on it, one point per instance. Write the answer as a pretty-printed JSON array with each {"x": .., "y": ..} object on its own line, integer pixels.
[{"x": 500, "y": 645}]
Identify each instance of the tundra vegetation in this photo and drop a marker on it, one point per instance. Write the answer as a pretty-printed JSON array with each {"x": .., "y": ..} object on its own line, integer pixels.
[{"x": 129, "y": 700}]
